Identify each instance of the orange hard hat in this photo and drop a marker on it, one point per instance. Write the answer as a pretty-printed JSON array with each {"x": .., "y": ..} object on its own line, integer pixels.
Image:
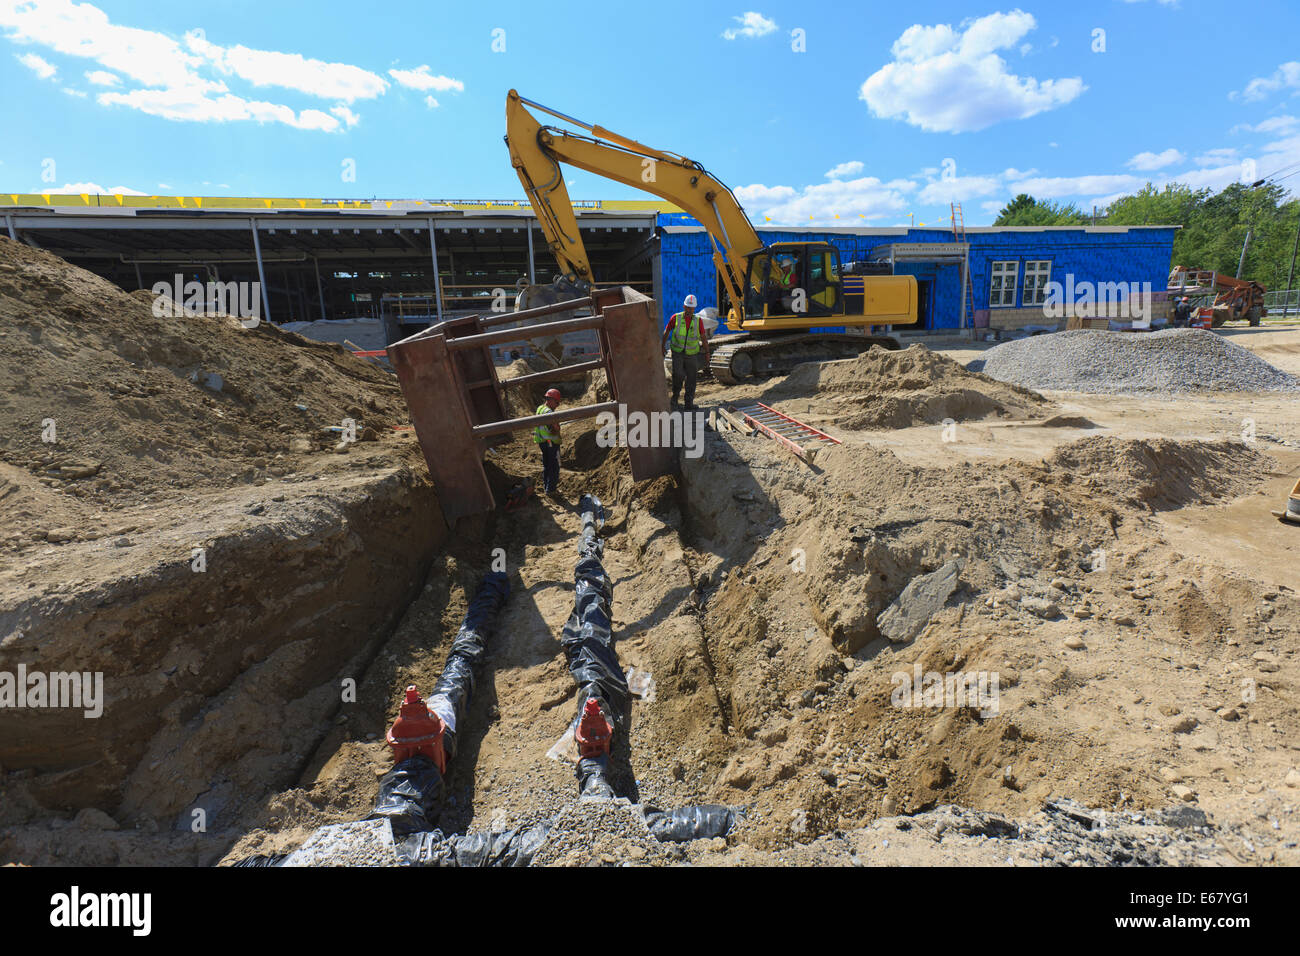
[{"x": 553, "y": 393}]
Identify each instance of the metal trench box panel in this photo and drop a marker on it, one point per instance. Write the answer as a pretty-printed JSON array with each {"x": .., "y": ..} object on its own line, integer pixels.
[{"x": 450, "y": 390}]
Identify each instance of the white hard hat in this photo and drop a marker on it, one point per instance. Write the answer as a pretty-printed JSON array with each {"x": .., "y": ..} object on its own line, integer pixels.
[{"x": 689, "y": 303}]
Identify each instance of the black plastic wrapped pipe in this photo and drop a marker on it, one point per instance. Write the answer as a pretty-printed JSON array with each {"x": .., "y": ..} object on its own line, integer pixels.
[
  {"x": 494, "y": 848},
  {"x": 451, "y": 695},
  {"x": 588, "y": 645},
  {"x": 690, "y": 823},
  {"x": 411, "y": 793}
]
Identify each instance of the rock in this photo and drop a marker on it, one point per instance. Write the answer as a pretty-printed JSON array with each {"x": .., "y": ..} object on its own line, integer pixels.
[
  {"x": 1184, "y": 793},
  {"x": 74, "y": 470},
  {"x": 1183, "y": 725},
  {"x": 59, "y": 535},
  {"x": 923, "y": 597},
  {"x": 300, "y": 446},
  {"x": 1074, "y": 643},
  {"x": 342, "y": 448},
  {"x": 92, "y": 819},
  {"x": 1040, "y": 607},
  {"x": 1292, "y": 779},
  {"x": 1124, "y": 620},
  {"x": 1170, "y": 775},
  {"x": 1184, "y": 817},
  {"x": 369, "y": 434},
  {"x": 1229, "y": 713}
]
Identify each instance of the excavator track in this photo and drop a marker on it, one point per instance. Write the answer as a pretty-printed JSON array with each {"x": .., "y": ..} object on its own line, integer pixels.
[{"x": 741, "y": 357}]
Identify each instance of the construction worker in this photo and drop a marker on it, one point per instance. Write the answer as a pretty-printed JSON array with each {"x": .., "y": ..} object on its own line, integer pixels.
[
  {"x": 685, "y": 335},
  {"x": 1183, "y": 313},
  {"x": 548, "y": 438}
]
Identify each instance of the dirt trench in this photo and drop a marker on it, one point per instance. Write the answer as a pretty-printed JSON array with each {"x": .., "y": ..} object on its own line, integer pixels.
[
  {"x": 220, "y": 672},
  {"x": 748, "y": 590}
]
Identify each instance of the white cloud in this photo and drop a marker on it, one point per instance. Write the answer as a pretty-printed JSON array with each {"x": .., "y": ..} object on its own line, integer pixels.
[
  {"x": 759, "y": 195},
  {"x": 186, "y": 80},
  {"x": 41, "y": 67},
  {"x": 430, "y": 102},
  {"x": 1286, "y": 76},
  {"x": 1274, "y": 124},
  {"x": 1149, "y": 161},
  {"x": 292, "y": 71},
  {"x": 845, "y": 169},
  {"x": 422, "y": 79},
  {"x": 852, "y": 200},
  {"x": 1056, "y": 187},
  {"x": 992, "y": 207},
  {"x": 958, "y": 189},
  {"x": 195, "y": 104},
  {"x": 751, "y": 25},
  {"x": 80, "y": 94},
  {"x": 82, "y": 29},
  {"x": 76, "y": 189},
  {"x": 946, "y": 80},
  {"x": 348, "y": 117},
  {"x": 1216, "y": 156}
]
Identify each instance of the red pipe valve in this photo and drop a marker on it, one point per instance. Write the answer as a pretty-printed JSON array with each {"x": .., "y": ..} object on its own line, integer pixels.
[
  {"x": 594, "y": 731},
  {"x": 417, "y": 730}
]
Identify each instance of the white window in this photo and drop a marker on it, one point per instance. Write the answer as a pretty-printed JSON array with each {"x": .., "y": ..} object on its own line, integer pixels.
[
  {"x": 1002, "y": 284},
  {"x": 1037, "y": 274}
]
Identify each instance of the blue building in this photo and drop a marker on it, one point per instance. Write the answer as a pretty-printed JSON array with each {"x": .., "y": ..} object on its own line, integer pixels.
[{"x": 1010, "y": 267}]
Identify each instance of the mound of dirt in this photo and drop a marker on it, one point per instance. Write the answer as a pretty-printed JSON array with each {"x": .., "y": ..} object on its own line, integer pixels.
[
  {"x": 1159, "y": 473},
  {"x": 103, "y": 400},
  {"x": 896, "y": 389},
  {"x": 1063, "y": 550}
]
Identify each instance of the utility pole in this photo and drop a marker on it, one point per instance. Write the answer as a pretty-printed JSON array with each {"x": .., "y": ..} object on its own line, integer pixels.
[
  {"x": 1242, "y": 261},
  {"x": 1291, "y": 271}
]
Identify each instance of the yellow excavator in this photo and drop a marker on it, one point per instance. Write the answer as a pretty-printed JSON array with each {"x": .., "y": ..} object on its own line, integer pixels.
[{"x": 772, "y": 294}]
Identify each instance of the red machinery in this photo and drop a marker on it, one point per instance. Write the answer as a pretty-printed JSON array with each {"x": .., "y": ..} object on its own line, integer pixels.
[{"x": 1234, "y": 299}]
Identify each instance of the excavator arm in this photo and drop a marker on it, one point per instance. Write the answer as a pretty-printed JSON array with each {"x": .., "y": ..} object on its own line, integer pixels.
[{"x": 536, "y": 152}]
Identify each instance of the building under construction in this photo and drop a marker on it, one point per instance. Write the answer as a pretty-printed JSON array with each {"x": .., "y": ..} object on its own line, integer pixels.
[{"x": 336, "y": 259}]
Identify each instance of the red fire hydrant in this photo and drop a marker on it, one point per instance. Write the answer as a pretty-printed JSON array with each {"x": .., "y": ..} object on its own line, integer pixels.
[
  {"x": 417, "y": 730},
  {"x": 594, "y": 731}
]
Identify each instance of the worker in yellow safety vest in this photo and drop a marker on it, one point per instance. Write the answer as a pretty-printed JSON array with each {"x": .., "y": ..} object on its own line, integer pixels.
[
  {"x": 548, "y": 438},
  {"x": 685, "y": 334}
]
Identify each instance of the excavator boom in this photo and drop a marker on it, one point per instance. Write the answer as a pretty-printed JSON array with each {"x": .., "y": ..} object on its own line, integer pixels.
[
  {"x": 778, "y": 293},
  {"x": 536, "y": 152}
]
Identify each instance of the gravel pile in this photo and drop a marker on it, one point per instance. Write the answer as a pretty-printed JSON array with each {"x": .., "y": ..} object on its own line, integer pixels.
[
  {"x": 1172, "y": 361},
  {"x": 603, "y": 832}
]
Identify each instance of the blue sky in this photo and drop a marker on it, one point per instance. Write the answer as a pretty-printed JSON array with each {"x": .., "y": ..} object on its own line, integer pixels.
[{"x": 890, "y": 110}]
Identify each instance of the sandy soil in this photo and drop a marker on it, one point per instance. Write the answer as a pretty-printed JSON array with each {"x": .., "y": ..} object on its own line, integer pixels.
[{"x": 1119, "y": 571}]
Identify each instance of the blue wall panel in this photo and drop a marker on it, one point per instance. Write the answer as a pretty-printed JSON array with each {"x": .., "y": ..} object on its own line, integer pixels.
[{"x": 1139, "y": 255}]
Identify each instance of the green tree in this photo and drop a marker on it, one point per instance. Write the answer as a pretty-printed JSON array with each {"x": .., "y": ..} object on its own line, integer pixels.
[
  {"x": 1214, "y": 226},
  {"x": 1025, "y": 210}
]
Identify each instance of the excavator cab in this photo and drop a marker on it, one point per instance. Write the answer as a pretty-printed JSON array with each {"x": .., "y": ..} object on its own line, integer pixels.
[{"x": 793, "y": 280}]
